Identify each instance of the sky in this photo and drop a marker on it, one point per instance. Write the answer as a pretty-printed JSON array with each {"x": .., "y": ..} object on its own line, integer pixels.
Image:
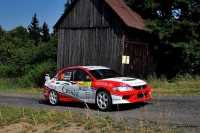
[{"x": 14, "y": 13}]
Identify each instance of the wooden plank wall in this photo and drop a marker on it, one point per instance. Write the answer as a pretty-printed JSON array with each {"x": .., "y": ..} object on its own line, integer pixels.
[
  {"x": 91, "y": 13},
  {"x": 91, "y": 34},
  {"x": 141, "y": 63},
  {"x": 96, "y": 46}
]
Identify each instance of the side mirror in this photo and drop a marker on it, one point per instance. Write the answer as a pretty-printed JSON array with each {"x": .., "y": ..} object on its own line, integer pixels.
[{"x": 47, "y": 77}]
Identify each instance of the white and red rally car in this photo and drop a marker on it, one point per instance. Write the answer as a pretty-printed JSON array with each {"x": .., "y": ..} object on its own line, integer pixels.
[{"x": 95, "y": 84}]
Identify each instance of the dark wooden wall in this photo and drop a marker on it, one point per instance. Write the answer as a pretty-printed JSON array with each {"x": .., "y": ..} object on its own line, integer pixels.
[
  {"x": 141, "y": 63},
  {"x": 91, "y": 34},
  {"x": 136, "y": 46}
]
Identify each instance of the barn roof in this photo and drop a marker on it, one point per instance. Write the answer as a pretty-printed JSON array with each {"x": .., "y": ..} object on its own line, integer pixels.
[{"x": 127, "y": 15}]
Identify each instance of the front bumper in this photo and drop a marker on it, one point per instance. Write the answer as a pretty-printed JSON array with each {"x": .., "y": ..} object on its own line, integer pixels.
[{"x": 131, "y": 97}]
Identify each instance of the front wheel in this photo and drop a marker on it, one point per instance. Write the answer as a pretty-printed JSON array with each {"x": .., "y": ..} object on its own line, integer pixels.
[
  {"x": 53, "y": 98},
  {"x": 103, "y": 100}
]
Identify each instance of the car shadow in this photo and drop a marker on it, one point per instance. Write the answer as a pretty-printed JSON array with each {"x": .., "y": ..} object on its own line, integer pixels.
[
  {"x": 130, "y": 106},
  {"x": 113, "y": 108}
]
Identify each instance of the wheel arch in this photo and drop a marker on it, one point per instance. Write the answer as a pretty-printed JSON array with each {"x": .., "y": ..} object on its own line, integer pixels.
[{"x": 103, "y": 89}]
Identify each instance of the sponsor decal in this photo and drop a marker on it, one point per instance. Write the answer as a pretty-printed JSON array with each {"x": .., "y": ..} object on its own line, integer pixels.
[
  {"x": 80, "y": 83},
  {"x": 91, "y": 100},
  {"x": 62, "y": 76},
  {"x": 116, "y": 99},
  {"x": 66, "y": 90},
  {"x": 75, "y": 93},
  {"x": 88, "y": 95},
  {"x": 71, "y": 93},
  {"x": 104, "y": 84},
  {"x": 84, "y": 88},
  {"x": 135, "y": 83},
  {"x": 66, "y": 76}
]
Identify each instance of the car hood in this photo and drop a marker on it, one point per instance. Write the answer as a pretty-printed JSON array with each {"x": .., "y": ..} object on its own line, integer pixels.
[{"x": 127, "y": 80}]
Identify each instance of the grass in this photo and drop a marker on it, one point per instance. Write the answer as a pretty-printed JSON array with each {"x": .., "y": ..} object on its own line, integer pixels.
[
  {"x": 183, "y": 86},
  {"x": 52, "y": 121},
  {"x": 8, "y": 85}
]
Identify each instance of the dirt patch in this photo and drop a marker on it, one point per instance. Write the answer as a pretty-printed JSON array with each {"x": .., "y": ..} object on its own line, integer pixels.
[{"x": 28, "y": 128}]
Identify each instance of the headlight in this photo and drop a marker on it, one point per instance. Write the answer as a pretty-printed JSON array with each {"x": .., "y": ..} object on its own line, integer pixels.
[{"x": 122, "y": 88}]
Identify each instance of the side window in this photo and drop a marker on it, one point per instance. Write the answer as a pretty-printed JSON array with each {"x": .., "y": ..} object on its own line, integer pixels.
[
  {"x": 66, "y": 75},
  {"x": 81, "y": 75}
]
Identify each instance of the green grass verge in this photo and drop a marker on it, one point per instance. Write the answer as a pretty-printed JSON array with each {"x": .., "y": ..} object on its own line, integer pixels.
[
  {"x": 9, "y": 85},
  {"x": 57, "y": 121},
  {"x": 183, "y": 86}
]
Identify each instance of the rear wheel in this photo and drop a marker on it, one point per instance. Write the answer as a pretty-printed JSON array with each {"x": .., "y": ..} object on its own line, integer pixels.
[
  {"x": 103, "y": 100},
  {"x": 53, "y": 97}
]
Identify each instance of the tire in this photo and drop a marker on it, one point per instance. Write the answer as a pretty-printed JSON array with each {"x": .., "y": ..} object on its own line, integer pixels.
[
  {"x": 103, "y": 100},
  {"x": 53, "y": 97}
]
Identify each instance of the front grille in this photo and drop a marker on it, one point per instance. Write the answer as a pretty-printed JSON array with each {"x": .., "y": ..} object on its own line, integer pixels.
[
  {"x": 140, "y": 87},
  {"x": 142, "y": 95},
  {"x": 126, "y": 97}
]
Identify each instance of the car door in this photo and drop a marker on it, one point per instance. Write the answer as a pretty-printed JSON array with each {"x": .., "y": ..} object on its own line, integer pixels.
[
  {"x": 65, "y": 85},
  {"x": 84, "y": 81}
]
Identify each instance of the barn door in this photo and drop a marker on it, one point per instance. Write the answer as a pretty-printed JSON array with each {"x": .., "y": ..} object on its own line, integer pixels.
[{"x": 138, "y": 54}]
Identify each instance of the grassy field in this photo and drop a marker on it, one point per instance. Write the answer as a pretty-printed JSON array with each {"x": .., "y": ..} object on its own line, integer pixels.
[{"x": 22, "y": 120}]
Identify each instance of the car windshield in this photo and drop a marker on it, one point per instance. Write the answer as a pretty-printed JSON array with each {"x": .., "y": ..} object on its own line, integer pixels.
[{"x": 104, "y": 73}]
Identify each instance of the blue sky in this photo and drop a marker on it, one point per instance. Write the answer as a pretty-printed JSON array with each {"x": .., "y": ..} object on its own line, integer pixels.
[{"x": 15, "y": 13}]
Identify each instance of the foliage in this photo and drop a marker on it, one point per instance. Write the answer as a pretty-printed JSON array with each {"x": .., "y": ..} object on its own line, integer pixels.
[
  {"x": 35, "y": 77},
  {"x": 45, "y": 32},
  {"x": 67, "y": 4},
  {"x": 34, "y": 30},
  {"x": 20, "y": 56},
  {"x": 175, "y": 28}
]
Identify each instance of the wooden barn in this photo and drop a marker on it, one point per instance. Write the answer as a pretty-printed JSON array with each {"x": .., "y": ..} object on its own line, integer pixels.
[{"x": 106, "y": 33}]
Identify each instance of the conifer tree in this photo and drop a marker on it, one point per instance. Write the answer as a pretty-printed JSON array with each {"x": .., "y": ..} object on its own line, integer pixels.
[
  {"x": 2, "y": 31},
  {"x": 67, "y": 4},
  {"x": 45, "y": 32},
  {"x": 34, "y": 30}
]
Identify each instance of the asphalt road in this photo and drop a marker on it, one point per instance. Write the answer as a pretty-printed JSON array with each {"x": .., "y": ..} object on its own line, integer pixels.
[{"x": 179, "y": 112}]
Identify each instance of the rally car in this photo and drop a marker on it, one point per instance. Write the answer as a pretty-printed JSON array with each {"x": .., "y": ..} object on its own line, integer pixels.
[{"x": 96, "y": 85}]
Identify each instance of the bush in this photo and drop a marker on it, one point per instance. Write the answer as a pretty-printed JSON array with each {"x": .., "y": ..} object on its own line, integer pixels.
[
  {"x": 8, "y": 71},
  {"x": 35, "y": 77}
]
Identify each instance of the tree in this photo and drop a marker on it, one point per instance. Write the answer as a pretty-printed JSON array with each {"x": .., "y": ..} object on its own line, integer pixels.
[
  {"x": 34, "y": 30},
  {"x": 45, "y": 32},
  {"x": 21, "y": 34},
  {"x": 176, "y": 30},
  {"x": 67, "y": 4},
  {"x": 2, "y": 31}
]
